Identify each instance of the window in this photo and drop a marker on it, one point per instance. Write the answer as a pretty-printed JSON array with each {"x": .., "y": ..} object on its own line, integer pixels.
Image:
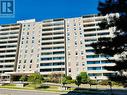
[
  {"x": 95, "y": 74},
  {"x": 18, "y": 66},
  {"x": 92, "y": 56},
  {"x": 58, "y": 52},
  {"x": 47, "y": 58},
  {"x": 105, "y": 56},
  {"x": 81, "y": 42},
  {"x": 24, "y": 61},
  {"x": 90, "y": 40},
  {"x": 89, "y": 35},
  {"x": 89, "y": 25},
  {"x": 69, "y": 70},
  {"x": 58, "y": 63},
  {"x": 27, "y": 41},
  {"x": 58, "y": 42},
  {"x": 77, "y": 64},
  {"x": 30, "y": 66},
  {"x": 60, "y": 47},
  {"x": 46, "y": 43},
  {"x": 60, "y": 28},
  {"x": 90, "y": 50},
  {"x": 94, "y": 68},
  {"x": 68, "y": 34},
  {"x": 46, "y": 48},
  {"x": 19, "y": 61},
  {"x": 81, "y": 52},
  {"x": 87, "y": 45},
  {"x": 45, "y": 70},
  {"x": 75, "y": 43},
  {"x": 105, "y": 62},
  {"x": 89, "y": 29},
  {"x": 108, "y": 74},
  {"x": 32, "y": 51},
  {"x": 23, "y": 66},
  {"x": 69, "y": 53},
  {"x": 105, "y": 33},
  {"x": 31, "y": 61},
  {"x": 46, "y": 53},
  {"x": 37, "y": 65},
  {"x": 58, "y": 58},
  {"x": 46, "y": 64},
  {"x": 76, "y": 53},
  {"x": 93, "y": 62},
  {"x": 58, "y": 37},
  {"x": 25, "y": 51},
  {"x": 27, "y": 33},
  {"x": 32, "y": 41}
]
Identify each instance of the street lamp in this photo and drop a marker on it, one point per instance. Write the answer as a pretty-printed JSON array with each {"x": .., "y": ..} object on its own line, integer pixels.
[
  {"x": 96, "y": 82},
  {"x": 110, "y": 84}
]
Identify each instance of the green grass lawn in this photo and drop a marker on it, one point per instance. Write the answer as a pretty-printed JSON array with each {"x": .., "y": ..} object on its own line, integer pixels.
[{"x": 57, "y": 89}]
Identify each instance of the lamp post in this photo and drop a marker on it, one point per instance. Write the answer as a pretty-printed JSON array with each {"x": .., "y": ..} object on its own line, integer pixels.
[
  {"x": 96, "y": 82},
  {"x": 110, "y": 84}
]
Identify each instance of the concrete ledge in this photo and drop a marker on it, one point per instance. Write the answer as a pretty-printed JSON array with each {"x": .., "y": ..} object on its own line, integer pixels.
[{"x": 20, "y": 85}]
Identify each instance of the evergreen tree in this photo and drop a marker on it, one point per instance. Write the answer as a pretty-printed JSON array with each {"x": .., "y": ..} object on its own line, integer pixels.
[{"x": 116, "y": 45}]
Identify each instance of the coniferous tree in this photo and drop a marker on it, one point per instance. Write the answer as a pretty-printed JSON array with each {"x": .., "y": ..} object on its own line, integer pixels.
[{"x": 116, "y": 45}]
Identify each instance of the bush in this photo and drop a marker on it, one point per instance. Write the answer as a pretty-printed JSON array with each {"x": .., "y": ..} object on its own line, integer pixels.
[
  {"x": 84, "y": 77},
  {"x": 78, "y": 80},
  {"x": 67, "y": 80},
  {"x": 54, "y": 77},
  {"x": 36, "y": 79},
  {"x": 92, "y": 82},
  {"x": 116, "y": 83},
  {"x": 23, "y": 78},
  {"x": 104, "y": 82}
]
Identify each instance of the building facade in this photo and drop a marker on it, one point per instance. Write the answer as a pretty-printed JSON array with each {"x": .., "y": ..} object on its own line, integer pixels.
[
  {"x": 29, "y": 46},
  {"x": 54, "y": 46},
  {"x": 75, "y": 50},
  {"x": 95, "y": 63},
  {"x": 9, "y": 47}
]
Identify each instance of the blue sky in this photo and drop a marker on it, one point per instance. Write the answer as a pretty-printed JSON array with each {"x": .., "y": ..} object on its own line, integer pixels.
[{"x": 46, "y": 9}]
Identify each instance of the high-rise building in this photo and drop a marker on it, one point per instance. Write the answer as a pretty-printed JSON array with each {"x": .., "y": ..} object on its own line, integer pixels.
[
  {"x": 80, "y": 33},
  {"x": 54, "y": 46},
  {"x": 52, "y": 59},
  {"x": 95, "y": 63},
  {"x": 75, "y": 47},
  {"x": 9, "y": 47},
  {"x": 29, "y": 46}
]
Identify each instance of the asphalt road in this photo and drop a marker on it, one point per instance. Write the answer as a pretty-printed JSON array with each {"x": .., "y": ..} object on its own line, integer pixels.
[
  {"x": 24, "y": 92},
  {"x": 4, "y": 91}
]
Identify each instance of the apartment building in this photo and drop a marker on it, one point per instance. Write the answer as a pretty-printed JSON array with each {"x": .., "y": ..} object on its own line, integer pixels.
[
  {"x": 9, "y": 44},
  {"x": 54, "y": 46},
  {"x": 75, "y": 47},
  {"x": 80, "y": 33},
  {"x": 29, "y": 46},
  {"x": 95, "y": 63}
]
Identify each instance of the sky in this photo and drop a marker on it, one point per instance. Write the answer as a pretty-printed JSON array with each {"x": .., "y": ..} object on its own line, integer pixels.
[{"x": 48, "y": 9}]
